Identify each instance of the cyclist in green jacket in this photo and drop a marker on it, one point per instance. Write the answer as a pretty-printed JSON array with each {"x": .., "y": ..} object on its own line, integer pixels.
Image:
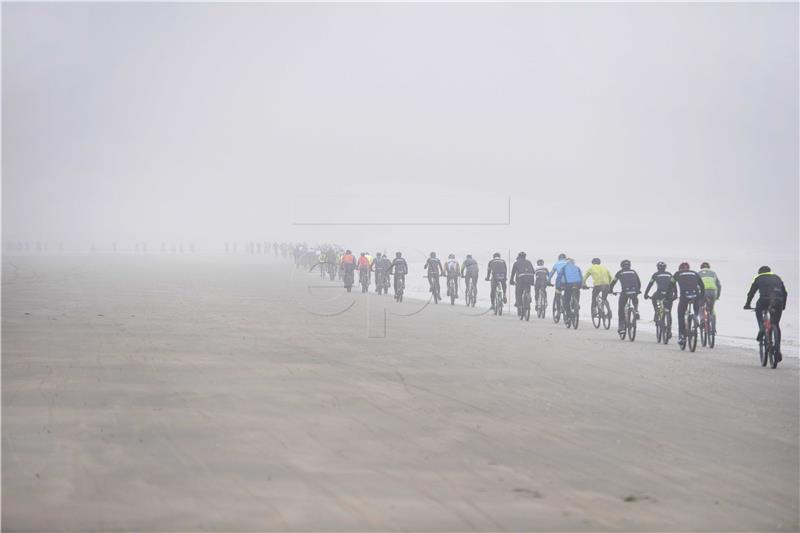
[
  {"x": 601, "y": 280},
  {"x": 712, "y": 284}
]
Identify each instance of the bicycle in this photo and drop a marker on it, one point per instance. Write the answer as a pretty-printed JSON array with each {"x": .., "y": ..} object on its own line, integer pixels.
[
  {"x": 708, "y": 325},
  {"x": 601, "y": 314},
  {"x": 628, "y": 320},
  {"x": 690, "y": 328},
  {"x": 766, "y": 346},
  {"x": 571, "y": 313},
  {"x": 498, "y": 299},
  {"x": 451, "y": 289},
  {"x": 363, "y": 279},
  {"x": 381, "y": 282},
  {"x": 557, "y": 306},
  {"x": 524, "y": 311},
  {"x": 434, "y": 283},
  {"x": 470, "y": 292},
  {"x": 348, "y": 276},
  {"x": 663, "y": 322},
  {"x": 541, "y": 302},
  {"x": 399, "y": 287}
]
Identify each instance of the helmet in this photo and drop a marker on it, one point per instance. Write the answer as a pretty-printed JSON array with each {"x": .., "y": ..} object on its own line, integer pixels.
[
  {"x": 398, "y": 254},
  {"x": 684, "y": 266},
  {"x": 661, "y": 266},
  {"x": 704, "y": 264},
  {"x": 469, "y": 256},
  {"x": 625, "y": 263},
  {"x": 571, "y": 261},
  {"x": 433, "y": 254},
  {"x": 596, "y": 261},
  {"x": 496, "y": 255},
  {"x": 522, "y": 255},
  {"x": 540, "y": 262},
  {"x": 348, "y": 252},
  {"x": 451, "y": 256},
  {"x": 363, "y": 254},
  {"x": 764, "y": 269},
  {"x": 378, "y": 254},
  {"x": 562, "y": 256}
]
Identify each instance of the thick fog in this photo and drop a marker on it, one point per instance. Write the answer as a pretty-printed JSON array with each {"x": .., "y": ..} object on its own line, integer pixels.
[{"x": 625, "y": 128}]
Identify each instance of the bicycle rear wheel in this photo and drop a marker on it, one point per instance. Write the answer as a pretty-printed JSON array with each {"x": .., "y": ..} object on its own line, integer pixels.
[
  {"x": 631, "y": 319},
  {"x": 596, "y": 316},
  {"x": 704, "y": 333},
  {"x": 762, "y": 352},
  {"x": 659, "y": 330},
  {"x": 692, "y": 338},
  {"x": 556, "y": 310},
  {"x": 667, "y": 334},
  {"x": 773, "y": 361},
  {"x": 606, "y": 315},
  {"x": 712, "y": 335}
]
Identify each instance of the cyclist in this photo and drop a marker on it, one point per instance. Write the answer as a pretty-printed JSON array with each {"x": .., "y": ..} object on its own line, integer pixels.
[
  {"x": 435, "y": 269},
  {"x": 470, "y": 271},
  {"x": 521, "y": 276},
  {"x": 381, "y": 269},
  {"x": 601, "y": 280},
  {"x": 571, "y": 279},
  {"x": 541, "y": 274},
  {"x": 630, "y": 287},
  {"x": 497, "y": 270},
  {"x": 665, "y": 290},
  {"x": 348, "y": 265},
  {"x": 399, "y": 268},
  {"x": 453, "y": 271},
  {"x": 691, "y": 290},
  {"x": 713, "y": 286},
  {"x": 364, "y": 267},
  {"x": 771, "y": 294}
]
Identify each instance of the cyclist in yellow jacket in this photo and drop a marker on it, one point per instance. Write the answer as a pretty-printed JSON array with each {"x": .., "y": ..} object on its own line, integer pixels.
[{"x": 601, "y": 280}]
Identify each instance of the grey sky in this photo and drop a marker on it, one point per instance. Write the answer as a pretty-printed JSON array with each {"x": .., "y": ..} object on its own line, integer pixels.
[{"x": 605, "y": 123}]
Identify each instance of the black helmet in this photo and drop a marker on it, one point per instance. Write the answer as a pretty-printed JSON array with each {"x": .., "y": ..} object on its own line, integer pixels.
[
  {"x": 469, "y": 256},
  {"x": 378, "y": 254},
  {"x": 705, "y": 264},
  {"x": 348, "y": 252},
  {"x": 625, "y": 263},
  {"x": 433, "y": 254},
  {"x": 764, "y": 269},
  {"x": 522, "y": 255},
  {"x": 496, "y": 255},
  {"x": 562, "y": 256},
  {"x": 398, "y": 254},
  {"x": 684, "y": 266},
  {"x": 451, "y": 256},
  {"x": 540, "y": 262},
  {"x": 661, "y": 266},
  {"x": 596, "y": 261}
]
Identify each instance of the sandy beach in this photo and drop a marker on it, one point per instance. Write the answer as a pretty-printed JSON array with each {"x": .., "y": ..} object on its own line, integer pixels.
[{"x": 168, "y": 392}]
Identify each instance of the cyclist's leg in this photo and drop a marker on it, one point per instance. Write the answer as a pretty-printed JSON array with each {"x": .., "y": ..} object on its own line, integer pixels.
[
  {"x": 621, "y": 311},
  {"x": 682, "y": 304},
  {"x": 775, "y": 320},
  {"x": 606, "y": 289}
]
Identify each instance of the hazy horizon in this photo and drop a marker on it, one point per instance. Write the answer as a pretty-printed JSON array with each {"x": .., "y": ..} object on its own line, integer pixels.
[{"x": 657, "y": 127}]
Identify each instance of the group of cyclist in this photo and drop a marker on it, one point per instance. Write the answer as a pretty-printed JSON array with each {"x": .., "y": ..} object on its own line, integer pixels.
[{"x": 690, "y": 288}]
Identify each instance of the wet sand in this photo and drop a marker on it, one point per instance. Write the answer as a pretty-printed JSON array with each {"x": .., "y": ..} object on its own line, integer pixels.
[{"x": 169, "y": 392}]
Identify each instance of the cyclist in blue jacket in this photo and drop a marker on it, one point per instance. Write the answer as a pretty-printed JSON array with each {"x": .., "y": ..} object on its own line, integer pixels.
[{"x": 570, "y": 280}]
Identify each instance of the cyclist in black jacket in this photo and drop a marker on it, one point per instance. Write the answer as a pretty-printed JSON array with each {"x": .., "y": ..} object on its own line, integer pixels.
[
  {"x": 771, "y": 294},
  {"x": 522, "y": 276},
  {"x": 665, "y": 290},
  {"x": 498, "y": 271},
  {"x": 435, "y": 269},
  {"x": 630, "y": 287},
  {"x": 690, "y": 288},
  {"x": 399, "y": 268}
]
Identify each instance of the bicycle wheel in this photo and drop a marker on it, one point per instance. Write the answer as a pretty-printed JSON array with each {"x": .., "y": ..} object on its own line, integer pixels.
[
  {"x": 556, "y": 310},
  {"x": 692, "y": 337},
  {"x": 667, "y": 335},
  {"x": 499, "y": 306},
  {"x": 596, "y": 315},
  {"x": 762, "y": 352},
  {"x": 631, "y": 319},
  {"x": 576, "y": 319},
  {"x": 659, "y": 330},
  {"x": 704, "y": 332},
  {"x": 712, "y": 335},
  {"x": 606, "y": 315},
  {"x": 773, "y": 361}
]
